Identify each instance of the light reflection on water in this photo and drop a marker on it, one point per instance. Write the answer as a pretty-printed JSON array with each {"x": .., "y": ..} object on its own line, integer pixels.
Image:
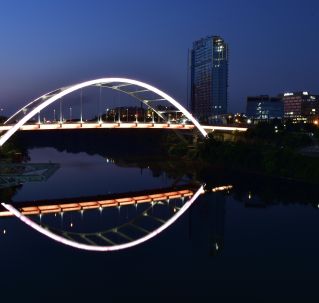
[
  {"x": 244, "y": 238},
  {"x": 83, "y": 174},
  {"x": 80, "y": 181},
  {"x": 160, "y": 215}
]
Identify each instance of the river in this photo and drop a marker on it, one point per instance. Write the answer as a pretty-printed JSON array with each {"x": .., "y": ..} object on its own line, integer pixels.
[{"x": 254, "y": 240}]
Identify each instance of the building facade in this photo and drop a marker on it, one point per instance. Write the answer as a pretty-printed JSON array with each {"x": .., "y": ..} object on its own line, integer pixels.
[
  {"x": 264, "y": 107},
  {"x": 209, "y": 78},
  {"x": 300, "y": 105}
]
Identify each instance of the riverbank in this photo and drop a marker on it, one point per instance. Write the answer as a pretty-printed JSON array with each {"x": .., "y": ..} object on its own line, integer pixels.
[{"x": 267, "y": 150}]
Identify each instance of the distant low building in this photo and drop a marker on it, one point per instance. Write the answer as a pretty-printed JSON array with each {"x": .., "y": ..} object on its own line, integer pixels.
[
  {"x": 264, "y": 107},
  {"x": 141, "y": 114},
  {"x": 300, "y": 105}
]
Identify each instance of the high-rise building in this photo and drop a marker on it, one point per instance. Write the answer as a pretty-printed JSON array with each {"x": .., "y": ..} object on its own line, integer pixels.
[
  {"x": 209, "y": 78},
  {"x": 264, "y": 107}
]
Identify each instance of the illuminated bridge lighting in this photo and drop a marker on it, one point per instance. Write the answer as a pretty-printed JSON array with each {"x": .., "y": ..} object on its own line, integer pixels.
[
  {"x": 222, "y": 188},
  {"x": 22, "y": 116},
  {"x": 66, "y": 240},
  {"x": 126, "y": 125},
  {"x": 47, "y": 207},
  {"x": 67, "y": 207}
]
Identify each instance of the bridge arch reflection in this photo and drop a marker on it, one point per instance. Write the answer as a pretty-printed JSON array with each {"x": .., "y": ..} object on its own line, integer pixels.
[{"x": 86, "y": 243}]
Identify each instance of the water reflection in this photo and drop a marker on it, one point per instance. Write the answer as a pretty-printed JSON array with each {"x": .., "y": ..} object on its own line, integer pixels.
[
  {"x": 101, "y": 175},
  {"x": 14, "y": 174},
  {"x": 151, "y": 222},
  {"x": 62, "y": 205}
]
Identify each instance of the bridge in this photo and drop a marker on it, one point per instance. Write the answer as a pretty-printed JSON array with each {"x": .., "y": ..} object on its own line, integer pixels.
[
  {"x": 132, "y": 233},
  {"x": 119, "y": 125},
  {"x": 147, "y": 95}
]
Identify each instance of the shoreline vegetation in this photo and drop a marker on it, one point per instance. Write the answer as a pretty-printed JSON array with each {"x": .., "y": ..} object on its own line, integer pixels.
[
  {"x": 12, "y": 152},
  {"x": 268, "y": 149}
]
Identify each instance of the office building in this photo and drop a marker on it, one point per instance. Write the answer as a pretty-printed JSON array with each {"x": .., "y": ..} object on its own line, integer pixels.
[
  {"x": 300, "y": 105},
  {"x": 264, "y": 107},
  {"x": 209, "y": 78}
]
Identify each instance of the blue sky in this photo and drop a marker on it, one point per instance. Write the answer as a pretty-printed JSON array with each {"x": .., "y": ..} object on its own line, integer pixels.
[{"x": 274, "y": 45}]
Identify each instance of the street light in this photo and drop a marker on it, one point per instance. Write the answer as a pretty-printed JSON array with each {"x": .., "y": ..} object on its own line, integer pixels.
[
  {"x": 127, "y": 115},
  {"x": 61, "y": 113},
  {"x": 2, "y": 117},
  {"x": 70, "y": 113},
  {"x": 54, "y": 115},
  {"x": 106, "y": 112},
  {"x": 119, "y": 121}
]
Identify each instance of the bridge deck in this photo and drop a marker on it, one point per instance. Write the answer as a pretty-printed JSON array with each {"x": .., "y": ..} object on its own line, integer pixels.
[{"x": 125, "y": 125}]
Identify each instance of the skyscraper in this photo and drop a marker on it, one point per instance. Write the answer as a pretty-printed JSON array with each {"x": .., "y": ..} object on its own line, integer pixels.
[{"x": 209, "y": 78}]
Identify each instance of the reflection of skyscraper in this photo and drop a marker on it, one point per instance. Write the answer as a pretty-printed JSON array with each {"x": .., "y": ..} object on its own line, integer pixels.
[
  {"x": 209, "y": 78},
  {"x": 217, "y": 211},
  {"x": 208, "y": 223}
]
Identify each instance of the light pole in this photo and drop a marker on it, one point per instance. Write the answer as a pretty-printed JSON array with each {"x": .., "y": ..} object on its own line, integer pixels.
[
  {"x": 54, "y": 115},
  {"x": 61, "y": 114},
  {"x": 127, "y": 115},
  {"x": 119, "y": 115},
  {"x": 70, "y": 113},
  {"x": 106, "y": 112},
  {"x": 2, "y": 117},
  {"x": 81, "y": 106}
]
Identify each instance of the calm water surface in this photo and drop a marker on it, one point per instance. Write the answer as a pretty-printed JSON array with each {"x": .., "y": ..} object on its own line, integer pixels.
[{"x": 228, "y": 247}]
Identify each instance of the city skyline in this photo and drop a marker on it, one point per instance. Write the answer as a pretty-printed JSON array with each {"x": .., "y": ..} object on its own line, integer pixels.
[
  {"x": 45, "y": 47},
  {"x": 170, "y": 144}
]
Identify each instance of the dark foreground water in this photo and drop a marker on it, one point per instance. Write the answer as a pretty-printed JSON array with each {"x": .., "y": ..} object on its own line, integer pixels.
[{"x": 246, "y": 245}]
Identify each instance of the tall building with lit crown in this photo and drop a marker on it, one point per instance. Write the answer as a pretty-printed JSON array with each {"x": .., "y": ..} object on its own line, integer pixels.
[{"x": 209, "y": 78}]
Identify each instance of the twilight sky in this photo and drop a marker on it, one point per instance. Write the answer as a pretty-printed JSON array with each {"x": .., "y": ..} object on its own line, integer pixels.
[{"x": 45, "y": 44}]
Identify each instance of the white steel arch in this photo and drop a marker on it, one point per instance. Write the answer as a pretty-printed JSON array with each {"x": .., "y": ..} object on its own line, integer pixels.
[
  {"x": 51, "y": 97},
  {"x": 83, "y": 246}
]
